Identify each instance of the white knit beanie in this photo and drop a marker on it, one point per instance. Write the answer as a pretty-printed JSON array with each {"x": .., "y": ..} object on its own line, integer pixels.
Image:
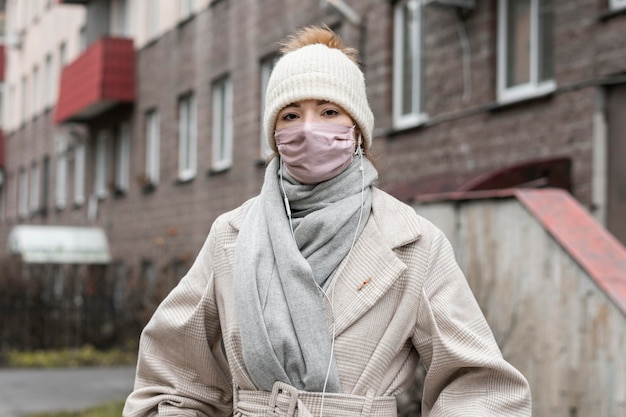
[{"x": 320, "y": 73}]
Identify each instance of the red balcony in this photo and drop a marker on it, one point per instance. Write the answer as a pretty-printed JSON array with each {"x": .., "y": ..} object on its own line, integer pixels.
[
  {"x": 2, "y": 63},
  {"x": 102, "y": 77}
]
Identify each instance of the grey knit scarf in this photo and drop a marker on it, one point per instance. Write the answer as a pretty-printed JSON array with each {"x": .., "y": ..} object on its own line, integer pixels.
[{"x": 280, "y": 308}]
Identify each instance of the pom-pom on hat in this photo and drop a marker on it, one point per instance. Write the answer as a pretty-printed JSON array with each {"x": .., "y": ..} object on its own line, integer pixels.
[{"x": 318, "y": 72}]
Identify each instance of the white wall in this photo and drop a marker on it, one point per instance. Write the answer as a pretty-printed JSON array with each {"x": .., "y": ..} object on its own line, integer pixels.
[
  {"x": 41, "y": 33},
  {"x": 42, "y": 29}
]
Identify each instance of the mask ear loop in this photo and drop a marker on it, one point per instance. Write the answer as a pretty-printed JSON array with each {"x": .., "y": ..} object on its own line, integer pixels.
[
  {"x": 285, "y": 199},
  {"x": 362, "y": 169}
]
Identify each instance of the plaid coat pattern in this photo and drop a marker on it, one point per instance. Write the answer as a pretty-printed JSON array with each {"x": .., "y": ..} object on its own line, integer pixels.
[{"x": 400, "y": 296}]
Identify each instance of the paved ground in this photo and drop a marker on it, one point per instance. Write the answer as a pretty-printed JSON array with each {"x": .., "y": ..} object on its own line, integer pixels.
[{"x": 24, "y": 391}]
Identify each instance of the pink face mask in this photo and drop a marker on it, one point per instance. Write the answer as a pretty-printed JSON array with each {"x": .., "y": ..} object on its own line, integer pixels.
[{"x": 315, "y": 152}]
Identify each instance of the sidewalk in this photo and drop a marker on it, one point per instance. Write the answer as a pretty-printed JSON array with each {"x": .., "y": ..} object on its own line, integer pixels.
[{"x": 25, "y": 391}]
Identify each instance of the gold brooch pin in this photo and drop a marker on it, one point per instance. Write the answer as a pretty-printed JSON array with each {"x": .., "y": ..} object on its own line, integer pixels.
[{"x": 364, "y": 283}]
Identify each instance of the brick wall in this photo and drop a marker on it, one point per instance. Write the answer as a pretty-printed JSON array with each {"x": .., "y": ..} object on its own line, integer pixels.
[{"x": 468, "y": 133}]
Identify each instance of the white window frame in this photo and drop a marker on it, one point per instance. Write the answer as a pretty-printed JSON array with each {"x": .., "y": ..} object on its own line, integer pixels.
[
  {"x": 122, "y": 158},
  {"x": 618, "y": 4},
  {"x": 22, "y": 193},
  {"x": 222, "y": 131},
  {"x": 267, "y": 65},
  {"x": 152, "y": 147},
  {"x": 101, "y": 165},
  {"x": 48, "y": 83},
  {"x": 34, "y": 186},
  {"x": 534, "y": 87},
  {"x": 79, "y": 173},
  {"x": 187, "y": 138},
  {"x": 416, "y": 116},
  {"x": 186, "y": 8}
]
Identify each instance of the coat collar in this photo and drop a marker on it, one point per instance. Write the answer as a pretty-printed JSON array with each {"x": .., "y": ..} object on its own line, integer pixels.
[
  {"x": 395, "y": 221},
  {"x": 373, "y": 267},
  {"x": 391, "y": 225}
]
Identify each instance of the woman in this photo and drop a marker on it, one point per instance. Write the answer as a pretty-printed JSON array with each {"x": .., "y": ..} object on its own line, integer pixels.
[{"x": 320, "y": 295}]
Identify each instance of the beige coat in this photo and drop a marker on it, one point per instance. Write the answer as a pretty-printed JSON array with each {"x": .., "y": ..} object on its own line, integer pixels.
[{"x": 416, "y": 304}]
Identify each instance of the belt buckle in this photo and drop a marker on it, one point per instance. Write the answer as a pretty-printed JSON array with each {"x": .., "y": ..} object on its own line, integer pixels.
[{"x": 284, "y": 389}]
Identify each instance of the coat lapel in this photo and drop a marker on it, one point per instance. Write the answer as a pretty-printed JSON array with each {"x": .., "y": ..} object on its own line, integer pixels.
[
  {"x": 367, "y": 274},
  {"x": 373, "y": 267}
]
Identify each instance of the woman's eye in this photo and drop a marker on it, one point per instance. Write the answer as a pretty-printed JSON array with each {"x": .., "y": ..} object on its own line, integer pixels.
[
  {"x": 330, "y": 112},
  {"x": 289, "y": 116}
]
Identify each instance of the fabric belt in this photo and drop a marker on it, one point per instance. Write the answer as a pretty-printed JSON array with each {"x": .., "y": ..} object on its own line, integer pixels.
[{"x": 287, "y": 401}]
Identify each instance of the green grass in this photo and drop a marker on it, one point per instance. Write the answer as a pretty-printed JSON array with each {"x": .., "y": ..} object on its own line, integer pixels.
[
  {"x": 113, "y": 409},
  {"x": 85, "y": 356}
]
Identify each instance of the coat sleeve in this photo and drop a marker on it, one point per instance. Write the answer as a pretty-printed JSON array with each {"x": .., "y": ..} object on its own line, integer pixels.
[
  {"x": 466, "y": 373},
  {"x": 181, "y": 368}
]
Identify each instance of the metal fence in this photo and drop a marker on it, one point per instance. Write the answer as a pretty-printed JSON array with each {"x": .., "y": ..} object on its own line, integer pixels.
[{"x": 57, "y": 306}]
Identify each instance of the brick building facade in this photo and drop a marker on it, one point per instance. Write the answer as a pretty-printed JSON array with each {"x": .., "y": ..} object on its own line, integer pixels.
[{"x": 458, "y": 92}]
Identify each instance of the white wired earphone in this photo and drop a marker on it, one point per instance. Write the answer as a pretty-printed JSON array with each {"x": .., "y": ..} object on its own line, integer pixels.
[{"x": 358, "y": 151}]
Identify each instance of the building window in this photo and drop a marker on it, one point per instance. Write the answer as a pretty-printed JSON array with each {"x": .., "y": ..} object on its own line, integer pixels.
[
  {"x": 267, "y": 65},
  {"x": 525, "y": 49},
  {"x": 187, "y": 138},
  {"x": 152, "y": 148},
  {"x": 102, "y": 145},
  {"x": 407, "y": 65},
  {"x": 121, "y": 27},
  {"x": 45, "y": 191},
  {"x": 618, "y": 4},
  {"x": 48, "y": 83},
  {"x": 122, "y": 158},
  {"x": 62, "y": 56},
  {"x": 24, "y": 102},
  {"x": 34, "y": 188},
  {"x": 22, "y": 193},
  {"x": 148, "y": 276},
  {"x": 153, "y": 19},
  {"x": 60, "y": 186},
  {"x": 79, "y": 174},
  {"x": 82, "y": 38},
  {"x": 222, "y": 146},
  {"x": 35, "y": 92},
  {"x": 3, "y": 187},
  {"x": 186, "y": 8},
  {"x": 3, "y": 122},
  {"x": 9, "y": 108},
  {"x": 25, "y": 10}
]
